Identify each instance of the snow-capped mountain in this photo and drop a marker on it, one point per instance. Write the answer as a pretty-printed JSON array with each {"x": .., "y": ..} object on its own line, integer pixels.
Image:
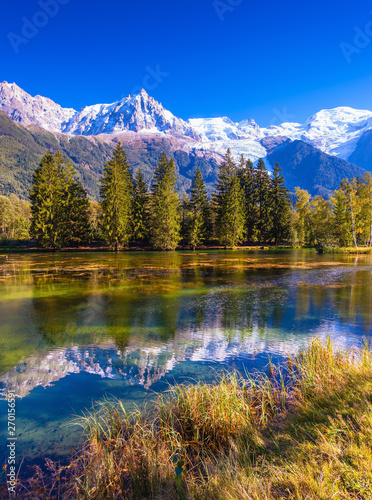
[
  {"x": 334, "y": 131},
  {"x": 137, "y": 113},
  {"x": 22, "y": 108}
]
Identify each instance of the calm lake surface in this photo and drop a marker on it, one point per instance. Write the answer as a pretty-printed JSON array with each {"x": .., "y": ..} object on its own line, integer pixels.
[{"x": 78, "y": 327}]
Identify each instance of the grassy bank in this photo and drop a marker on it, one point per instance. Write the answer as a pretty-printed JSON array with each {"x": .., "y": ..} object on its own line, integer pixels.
[
  {"x": 303, "y": 432},
  {"x": 347, "y": 250}
]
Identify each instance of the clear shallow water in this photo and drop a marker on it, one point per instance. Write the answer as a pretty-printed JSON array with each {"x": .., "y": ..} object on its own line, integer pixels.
[{"x": 75, "y": 328}]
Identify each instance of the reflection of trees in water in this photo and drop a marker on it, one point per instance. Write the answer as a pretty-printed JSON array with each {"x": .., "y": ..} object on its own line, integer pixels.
[
  {"x": 153, "y": 305},
  {"x": 354, "y": 304},
  {"x": 250, "y": 309},
  {"x": 350, "y": 301},
  {"x": 92, "y": 312},
  {"x": 56, "y": 318}
]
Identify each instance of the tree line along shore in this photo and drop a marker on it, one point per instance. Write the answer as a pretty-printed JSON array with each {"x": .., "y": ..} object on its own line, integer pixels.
[{"x": 248, "y": 206}]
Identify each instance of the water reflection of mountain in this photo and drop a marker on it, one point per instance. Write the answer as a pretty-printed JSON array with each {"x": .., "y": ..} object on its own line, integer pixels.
[
  {"x": 145, "y": 365},
  {"x": 106, "y": 361}
]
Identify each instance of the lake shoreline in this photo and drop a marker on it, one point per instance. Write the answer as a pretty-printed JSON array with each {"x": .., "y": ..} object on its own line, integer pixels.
[
  {"x": 35, "y": 249},
  {"x": 31, "y": 248}
]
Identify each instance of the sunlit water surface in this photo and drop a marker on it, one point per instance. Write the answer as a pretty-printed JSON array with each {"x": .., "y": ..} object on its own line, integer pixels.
[{"x": 76, "y": 328}]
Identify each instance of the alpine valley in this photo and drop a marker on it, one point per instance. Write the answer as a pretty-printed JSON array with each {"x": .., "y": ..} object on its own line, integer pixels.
[{"x": 317, "y": 155}]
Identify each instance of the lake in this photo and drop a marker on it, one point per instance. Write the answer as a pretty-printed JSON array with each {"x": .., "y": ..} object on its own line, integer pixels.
[{"x": 80, "y": 327}]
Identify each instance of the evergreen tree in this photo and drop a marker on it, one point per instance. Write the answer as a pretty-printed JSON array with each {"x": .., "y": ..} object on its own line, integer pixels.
[
  {"x": 185, "y": 217},
  {"x": 116, "y": 200},
  {"x": 234, "y": 215},
  {"x": 280, "y": 207},
  {"x": 247, "y": 175},
  {"x": 140, "y": 209},
  {"x": 225, "y": 173},
  {"x": 230, "y": 219},
  {"x": 263, "y": 184},
  {"x": 95, "y": 219},
  {"x": 59, "y": 204},
  {"x": 199, "y": 216},
  {"x": 46, "y": 202},
  {"x": 164, "y": 206},
  {"x": 75, "y": 225},
  {"x": 213, "y": 211}
]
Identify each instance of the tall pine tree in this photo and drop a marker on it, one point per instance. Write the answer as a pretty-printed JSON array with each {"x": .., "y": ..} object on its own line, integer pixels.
[
  {"x": 59, "y": 204},
  {"x": 263, "y": 184},
  {"x": 280, "y": 207},
  {"x": 230, "y": 217},
  {"x": 76, "y": 226},
  {"x": 366, "y": 208},
  {"x": 248, "y": 178},
  {"x": 199, "y": 223},
  {"x": 116, "y": 200},
  {"x": 140, "y": 221},
  {"x": 164, "y": 206},
  {"x": 46, "y": 202}
]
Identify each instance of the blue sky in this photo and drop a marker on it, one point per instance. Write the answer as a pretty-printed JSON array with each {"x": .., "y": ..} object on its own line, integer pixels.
[{"x": 273, "y": 61}]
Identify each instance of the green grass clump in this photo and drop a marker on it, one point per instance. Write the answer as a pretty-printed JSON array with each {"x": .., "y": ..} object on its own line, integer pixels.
[{"x": 303, "y": 432}]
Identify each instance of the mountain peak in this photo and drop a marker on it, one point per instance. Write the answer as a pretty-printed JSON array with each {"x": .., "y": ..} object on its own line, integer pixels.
[
  {"x": 143, "y": 93},
  {"x": 248, "y": 121},
  {"x": 23, "y": 108},
  {"x": 338, "y": 116},
  {"x": 10, "y": 86},
  {"x": 10, "y": 90},
  {"x": 134, "y": 113}
]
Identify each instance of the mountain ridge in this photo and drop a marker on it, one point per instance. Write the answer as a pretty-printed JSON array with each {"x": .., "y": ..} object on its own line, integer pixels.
[
  {"x": 309, "y": 168},
  {"x": 31, "y": 125},
  {"x": 334, "y": 131}
]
